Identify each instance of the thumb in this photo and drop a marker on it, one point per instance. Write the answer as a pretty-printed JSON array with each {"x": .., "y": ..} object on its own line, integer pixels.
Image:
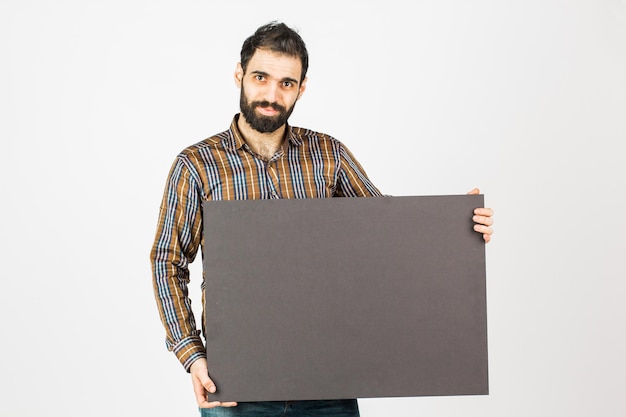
[
  {"x": 200, "y": 376},
  {"x": 207, "y": 382},
  {"x": 474, "y": 191}
]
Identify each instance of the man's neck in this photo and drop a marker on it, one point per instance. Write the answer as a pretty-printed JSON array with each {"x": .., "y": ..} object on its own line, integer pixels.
[{"x": 263, "y": 144}]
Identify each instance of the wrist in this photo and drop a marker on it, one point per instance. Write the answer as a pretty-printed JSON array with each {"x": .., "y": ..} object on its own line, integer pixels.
[{"x": 199, "y": 364}]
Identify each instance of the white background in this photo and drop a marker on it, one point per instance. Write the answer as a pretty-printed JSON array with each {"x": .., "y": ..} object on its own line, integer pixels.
[{"x": 524, "y": 99}]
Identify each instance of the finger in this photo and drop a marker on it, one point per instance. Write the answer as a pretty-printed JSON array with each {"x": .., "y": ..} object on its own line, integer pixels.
[
  {"x": 486, "y": 230},
  {"x": 207, "y": 383},
  {"x": 206, "y": 404},
  {"x": 483, "y": 211},
  {"x": 474, "y": 191},
  {"x": 201, "y": 385},
  {"x": 487, "y": 221},
  {"x": 211, "y": 404},
  {"x": 214, "y": 404},
  {"x": 200, "y": 394}
]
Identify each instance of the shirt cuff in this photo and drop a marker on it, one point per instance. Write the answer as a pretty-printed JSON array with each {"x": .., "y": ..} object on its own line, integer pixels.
[{"x": 189, "y": 350}]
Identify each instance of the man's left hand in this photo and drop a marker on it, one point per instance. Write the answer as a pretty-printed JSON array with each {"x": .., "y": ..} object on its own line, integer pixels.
[{"x": 483, "y": 217}]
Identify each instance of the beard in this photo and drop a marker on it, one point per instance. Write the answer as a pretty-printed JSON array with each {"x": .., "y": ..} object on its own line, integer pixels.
[{"x": 259, "y": 122}]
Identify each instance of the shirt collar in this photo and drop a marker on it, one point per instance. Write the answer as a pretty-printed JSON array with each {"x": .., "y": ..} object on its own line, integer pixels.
[{"x": 235, "y": 139}]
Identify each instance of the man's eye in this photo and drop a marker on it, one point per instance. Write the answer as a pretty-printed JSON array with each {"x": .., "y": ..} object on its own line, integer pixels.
[
  {"x": 259, "y": 77},
  {"x": 287, "y": 84}
]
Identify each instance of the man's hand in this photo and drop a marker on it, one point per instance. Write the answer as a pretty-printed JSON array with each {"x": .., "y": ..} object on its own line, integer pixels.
[
  {"x": 483, "y": 219},
  {"x": 203, "y": 386}
]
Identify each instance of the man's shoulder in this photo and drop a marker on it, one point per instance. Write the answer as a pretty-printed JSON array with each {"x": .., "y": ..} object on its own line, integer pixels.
[
  {"x": 212, "y": 142},
  {"x": 308, "y": 135}
]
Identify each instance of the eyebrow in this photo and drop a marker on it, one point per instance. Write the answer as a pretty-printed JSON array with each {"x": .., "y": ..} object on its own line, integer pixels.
[{"x": 265, "y": 74}]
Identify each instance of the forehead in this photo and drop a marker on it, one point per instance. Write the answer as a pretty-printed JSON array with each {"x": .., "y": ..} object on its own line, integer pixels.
[{"x": 275, "y": 64}]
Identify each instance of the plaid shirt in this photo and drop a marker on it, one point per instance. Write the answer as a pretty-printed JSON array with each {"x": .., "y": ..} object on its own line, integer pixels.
[{"x": 223, "y": 167}]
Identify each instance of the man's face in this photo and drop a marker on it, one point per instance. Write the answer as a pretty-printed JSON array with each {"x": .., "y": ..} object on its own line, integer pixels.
[{"x": 269, "y": 89}]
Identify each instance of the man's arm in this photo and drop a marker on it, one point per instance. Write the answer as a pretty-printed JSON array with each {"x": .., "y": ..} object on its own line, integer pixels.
[
  {"x": 175, "y": 246},
  {"x": 353, "y": 182}
]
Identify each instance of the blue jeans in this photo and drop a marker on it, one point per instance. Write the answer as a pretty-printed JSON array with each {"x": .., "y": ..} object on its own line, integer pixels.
[{"x": 325, "y": 408}]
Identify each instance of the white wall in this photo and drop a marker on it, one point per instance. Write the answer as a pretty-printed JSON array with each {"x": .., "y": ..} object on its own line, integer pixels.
[{"x": 525, "y": 99}]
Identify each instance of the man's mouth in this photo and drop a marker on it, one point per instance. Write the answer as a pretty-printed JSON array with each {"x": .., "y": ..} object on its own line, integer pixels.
[{"x": 268, "y": 110}]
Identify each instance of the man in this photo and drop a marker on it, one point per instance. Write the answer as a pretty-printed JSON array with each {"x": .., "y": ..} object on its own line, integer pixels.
[{"x": 259, "y": 157}]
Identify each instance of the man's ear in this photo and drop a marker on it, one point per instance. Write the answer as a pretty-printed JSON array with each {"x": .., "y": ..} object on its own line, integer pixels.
[
  {"x": 238, "y": 75},
  {"x": 302, "y": 87}
]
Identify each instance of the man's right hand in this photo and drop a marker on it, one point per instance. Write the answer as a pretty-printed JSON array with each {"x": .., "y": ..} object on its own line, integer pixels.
[{"x": 203, "y": 385}]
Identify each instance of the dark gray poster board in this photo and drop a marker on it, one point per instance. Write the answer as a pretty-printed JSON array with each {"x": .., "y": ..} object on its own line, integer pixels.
[{"x": 345, "y": 298}]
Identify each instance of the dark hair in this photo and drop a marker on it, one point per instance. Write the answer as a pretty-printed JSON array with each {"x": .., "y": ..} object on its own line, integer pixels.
[{"x": 276, "y": 37}]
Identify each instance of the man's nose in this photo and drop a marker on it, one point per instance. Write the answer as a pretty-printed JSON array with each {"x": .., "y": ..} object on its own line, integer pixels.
[{"x": 271, "y": 93}]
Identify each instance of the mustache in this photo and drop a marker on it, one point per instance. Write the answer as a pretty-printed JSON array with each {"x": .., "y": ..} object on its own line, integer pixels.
[{"x": 266, "y": 103}]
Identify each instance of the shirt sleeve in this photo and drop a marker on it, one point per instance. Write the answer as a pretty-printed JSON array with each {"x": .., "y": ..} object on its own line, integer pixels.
[
  {"x": 178, "y": 237},
  {"x": 352, "y": 181}
]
